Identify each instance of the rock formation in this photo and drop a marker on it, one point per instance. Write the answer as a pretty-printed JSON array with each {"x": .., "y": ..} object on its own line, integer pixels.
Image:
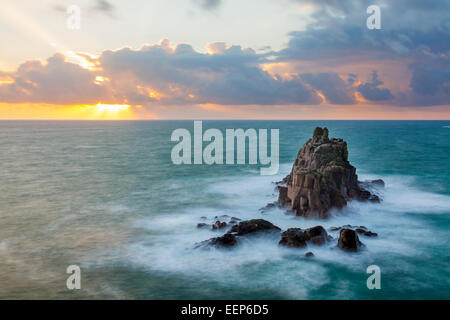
[
  {"x": 252, "y": 226},
  {"x": 321, "y": 178},
  {"x": 348, "y": 240},
  {"x": 360, "y": 230},
  {"x": 227, "y": 240},
  {"x": 244, "y": 228},
  {"x": 297, "y": 238},
  {"x": 292, "y": 237}
]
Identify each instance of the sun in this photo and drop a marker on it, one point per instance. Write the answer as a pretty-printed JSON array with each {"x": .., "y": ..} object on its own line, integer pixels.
[{"x": 112, "y": 107}]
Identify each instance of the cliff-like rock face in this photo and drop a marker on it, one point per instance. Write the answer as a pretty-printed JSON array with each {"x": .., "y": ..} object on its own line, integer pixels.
[{"x": 321, "y": 178}]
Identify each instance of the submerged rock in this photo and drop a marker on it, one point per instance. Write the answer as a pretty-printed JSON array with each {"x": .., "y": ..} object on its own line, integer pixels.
[
  {"x": 321, "y": 178},
  {"x": 252, "y": 226},
  {"x": 366, "y": 232},
  {"x": 297, "y": 238},
  {"x": 294, "y": 238},
  {"x": 378, "y": 182},
  {"x": 225, "y": 241},
  {"x": 360, "y": 230},
  {"x": 317, "y": 235},
  {"x": 244, "y": 228},
  {"x": 270, "y": 205},
  {"x": 219, "y": 225},
  {"x": 348, "y": 240},
  {"x": 309, "y": 254}
]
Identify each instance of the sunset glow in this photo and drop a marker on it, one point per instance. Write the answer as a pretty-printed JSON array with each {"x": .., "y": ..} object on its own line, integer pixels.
[
  {"x": 112, "y": 107},
  {"x": 310, "y": 65}
]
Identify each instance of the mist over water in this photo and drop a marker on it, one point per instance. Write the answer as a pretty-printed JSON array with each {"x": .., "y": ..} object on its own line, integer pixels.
[{"x": 105, "y": 196}]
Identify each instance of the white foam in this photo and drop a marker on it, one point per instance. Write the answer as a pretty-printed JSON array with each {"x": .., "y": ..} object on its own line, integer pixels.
[{"x": 259, "y": 261}]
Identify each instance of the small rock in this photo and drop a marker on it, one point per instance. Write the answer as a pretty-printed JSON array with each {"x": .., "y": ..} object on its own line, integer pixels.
[
  {"x": 202, "y": 225},
  {"x": 242, "y": 229},
  {"x": 251, "y": 226},
  {"x": 227, "y": 240},
  {"x": 309, "y": 254},
  {"x": 269, "y": 206},
  {"x": 317, "y": 235},
  {"x": 294, "y": 238},
  {"x": 377, "y": 182},
  {"x": 348, "y": 240},
  {"x": 219, "y": 225}
]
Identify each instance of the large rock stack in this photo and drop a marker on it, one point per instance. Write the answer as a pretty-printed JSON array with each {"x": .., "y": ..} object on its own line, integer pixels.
[{"x": 321, "y": 178}]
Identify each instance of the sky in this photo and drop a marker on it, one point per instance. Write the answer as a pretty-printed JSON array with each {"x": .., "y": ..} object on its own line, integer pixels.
[{"x": 224, "y": 59}]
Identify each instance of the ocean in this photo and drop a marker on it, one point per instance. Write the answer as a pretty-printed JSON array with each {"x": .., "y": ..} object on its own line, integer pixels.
[{"x": 105, "y": 195}]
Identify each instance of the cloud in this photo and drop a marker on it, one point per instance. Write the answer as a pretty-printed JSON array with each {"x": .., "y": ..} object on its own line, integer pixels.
[
  {"x": 335, "y": 89},
  {"x": 101, "y": 6},
  {"x": 371, "y": 90},
  {"x": 414, "y": 35},
  {"x": 430, "y": 84},
  {"x": 229, "y": 76},
  {"x": 56, "y": 82},
  {"x": 209, "y": 4},
  {"x": 159, "y": 74},
  {"x": 335, "y": 53},
  {"x": 105, "y": 7}
]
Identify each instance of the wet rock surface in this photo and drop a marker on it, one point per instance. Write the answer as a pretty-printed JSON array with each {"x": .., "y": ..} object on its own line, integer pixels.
[
  {"x": 348, "y": 240},
  {"x": 358, "y": 229},
  {"x": 225, "y": 241},
  {"x": 219, "y": 225},
  {"x": 322, "y": 178},
  {"x": 292, "y": 237},
  {"x": 241, "y": 229},
  {"x": 298, "y": 238},
  {"x": 252, "y": 226}
]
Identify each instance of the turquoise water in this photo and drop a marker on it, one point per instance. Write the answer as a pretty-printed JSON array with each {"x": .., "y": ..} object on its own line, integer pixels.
[{"x": 106, "y": 196}]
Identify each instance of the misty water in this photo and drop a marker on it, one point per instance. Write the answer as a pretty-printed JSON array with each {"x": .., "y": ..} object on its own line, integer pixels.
[{"x": 106, "y": 196}]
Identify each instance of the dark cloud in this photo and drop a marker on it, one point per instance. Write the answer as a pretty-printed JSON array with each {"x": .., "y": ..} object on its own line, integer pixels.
[
  {"x": 371, "y": 90},
  {"x": 101, "y": 6},
  {"x": 231, "y": 76},
  {"x": 105, "y": 7},
  {"x": 209, "y": 4},
  {"x": 157, "y": 74},
  {"x": 336, "y": 90},
  {"x": 430, "y": 83},
  {"x": 414, "y": 35},
  {"x": 412, "y": 30},
  {"x": 57, "y": 82}
]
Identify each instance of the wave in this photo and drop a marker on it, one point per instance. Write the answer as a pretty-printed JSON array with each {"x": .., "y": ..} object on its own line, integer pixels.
[{"x": 259, "y": 262}]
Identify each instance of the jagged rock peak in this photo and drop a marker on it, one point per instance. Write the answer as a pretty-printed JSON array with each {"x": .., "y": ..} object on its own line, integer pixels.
[
  {"x": 321, "y": 178},
  {"x": 320, "y": 134}
]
